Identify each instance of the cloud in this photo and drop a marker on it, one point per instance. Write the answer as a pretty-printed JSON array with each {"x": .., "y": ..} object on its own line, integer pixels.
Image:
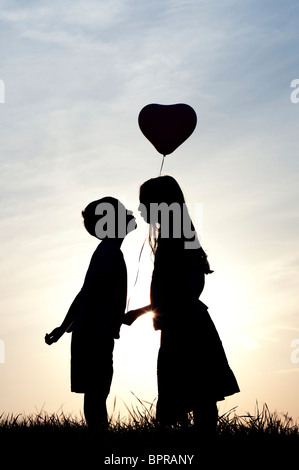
[{"x": 287, "y": 371}]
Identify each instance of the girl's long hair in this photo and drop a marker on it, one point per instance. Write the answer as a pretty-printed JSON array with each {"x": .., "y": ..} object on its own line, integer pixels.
[{"x": 165, "y": 189}]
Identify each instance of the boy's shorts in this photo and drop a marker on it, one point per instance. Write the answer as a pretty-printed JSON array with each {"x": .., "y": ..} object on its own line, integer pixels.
[{"x": 91, "y": 362}]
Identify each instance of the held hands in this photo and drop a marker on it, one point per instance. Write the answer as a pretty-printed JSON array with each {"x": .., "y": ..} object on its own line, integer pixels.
[
  {"x": 130, "y": 317},
  {"x": 54, "y": 336}
]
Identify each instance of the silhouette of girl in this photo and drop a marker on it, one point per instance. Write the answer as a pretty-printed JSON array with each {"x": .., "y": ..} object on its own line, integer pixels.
[{"x": 193, "y": 371}]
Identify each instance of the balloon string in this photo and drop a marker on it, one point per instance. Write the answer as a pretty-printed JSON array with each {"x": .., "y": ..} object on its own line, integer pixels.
[
  {"x": 162, "y": 164},
  {"x": 128, "y": 303}
]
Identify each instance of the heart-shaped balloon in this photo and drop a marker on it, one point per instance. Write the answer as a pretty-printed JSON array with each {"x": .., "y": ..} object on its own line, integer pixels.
[{"x": 167, "y": 126}]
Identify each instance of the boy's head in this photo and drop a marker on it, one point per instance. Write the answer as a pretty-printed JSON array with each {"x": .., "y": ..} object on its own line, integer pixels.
[{"x": 108, "y": 218}]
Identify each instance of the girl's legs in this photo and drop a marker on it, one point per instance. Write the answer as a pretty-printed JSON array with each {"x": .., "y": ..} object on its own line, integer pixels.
[{"x": 205, "y": 420}]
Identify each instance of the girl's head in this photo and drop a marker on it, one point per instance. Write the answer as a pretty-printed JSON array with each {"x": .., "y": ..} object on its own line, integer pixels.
[
  {"x": 164, "y": 189},
  {"x": 162, "y": 203},
  {"x": 108, "y": 218}
]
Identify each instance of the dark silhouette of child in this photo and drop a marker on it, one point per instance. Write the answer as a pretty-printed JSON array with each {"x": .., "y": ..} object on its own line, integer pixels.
[
  {"x": 96, "y": 314},
  {"x": 193, "y": 371}
]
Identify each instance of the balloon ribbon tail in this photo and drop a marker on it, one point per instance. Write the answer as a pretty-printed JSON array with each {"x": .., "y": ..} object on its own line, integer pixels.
[{"x": 162, "y": 164}]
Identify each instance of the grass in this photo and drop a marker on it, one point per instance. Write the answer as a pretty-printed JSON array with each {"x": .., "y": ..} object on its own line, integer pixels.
[{"x": 263, "y": 438}]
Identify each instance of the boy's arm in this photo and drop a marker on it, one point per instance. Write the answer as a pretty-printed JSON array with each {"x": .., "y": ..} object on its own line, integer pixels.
[
  {"x": 132, "y": 315},
  {"x": 56, "y": 334}
]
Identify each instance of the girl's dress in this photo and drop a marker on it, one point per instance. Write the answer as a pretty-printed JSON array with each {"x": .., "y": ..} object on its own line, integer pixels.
[{"x": 192, "y": 364}]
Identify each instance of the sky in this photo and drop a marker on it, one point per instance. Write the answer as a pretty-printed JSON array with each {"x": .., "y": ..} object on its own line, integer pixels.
[{"x": 74, "y": 77}]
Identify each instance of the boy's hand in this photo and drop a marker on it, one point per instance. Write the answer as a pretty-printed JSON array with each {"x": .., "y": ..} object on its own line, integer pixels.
[
  {"x": 54, "y": 336},
  {"x": 130, "y": 317}
]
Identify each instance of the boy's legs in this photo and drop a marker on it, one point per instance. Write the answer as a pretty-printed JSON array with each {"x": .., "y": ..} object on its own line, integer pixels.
[
  {"x": 99, "y": 372},
  {"x": 95, "y": 411}
]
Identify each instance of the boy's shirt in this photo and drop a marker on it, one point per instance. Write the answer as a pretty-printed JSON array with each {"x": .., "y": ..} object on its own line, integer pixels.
[{"x": 103, "y": 295}]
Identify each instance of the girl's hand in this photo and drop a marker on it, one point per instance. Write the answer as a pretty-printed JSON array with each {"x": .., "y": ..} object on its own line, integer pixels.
[{"x": 54, "y": 336}]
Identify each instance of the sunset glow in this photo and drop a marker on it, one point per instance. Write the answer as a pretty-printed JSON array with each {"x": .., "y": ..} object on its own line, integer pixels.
[{"x": 74, "y": 77}]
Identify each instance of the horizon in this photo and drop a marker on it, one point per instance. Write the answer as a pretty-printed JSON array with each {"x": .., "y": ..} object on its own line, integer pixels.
[{"x": 73, "y": 80}]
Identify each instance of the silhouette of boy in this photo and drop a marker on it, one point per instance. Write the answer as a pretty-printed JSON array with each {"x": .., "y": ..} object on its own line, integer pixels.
[{"x": 96, "y": 314}]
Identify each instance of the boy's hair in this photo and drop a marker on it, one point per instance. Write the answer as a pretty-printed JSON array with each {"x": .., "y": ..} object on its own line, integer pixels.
[{"x": 90, "y": 217}]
